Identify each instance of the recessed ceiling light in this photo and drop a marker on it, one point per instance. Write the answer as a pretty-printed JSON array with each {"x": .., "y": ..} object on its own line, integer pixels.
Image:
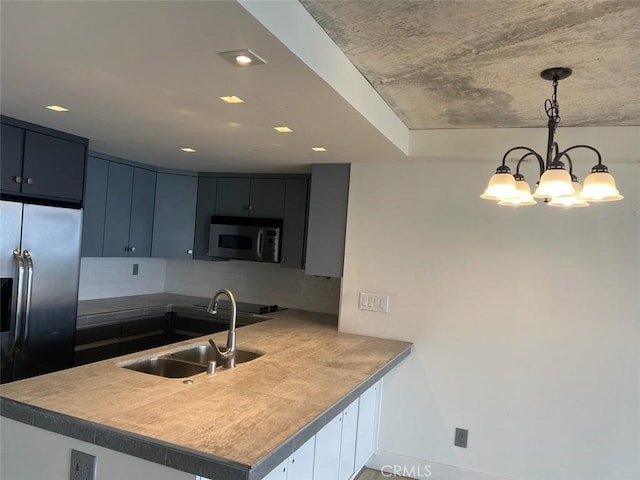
[
  {"x": 188, "y": 149},
  {"x": 232, "y": 99},
  {"x": 243, "y": 58},
  {"x": 282, "y": 129},
  {"x": 57, "y": 108},
  {"x": 318, "y": 149}
]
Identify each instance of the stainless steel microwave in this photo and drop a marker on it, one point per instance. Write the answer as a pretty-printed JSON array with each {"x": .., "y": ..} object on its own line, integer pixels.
[{"x": 245, "y": 238}]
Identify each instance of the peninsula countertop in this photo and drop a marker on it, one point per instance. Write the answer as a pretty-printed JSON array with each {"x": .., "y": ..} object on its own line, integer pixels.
[{"x": 242, "y": 422}]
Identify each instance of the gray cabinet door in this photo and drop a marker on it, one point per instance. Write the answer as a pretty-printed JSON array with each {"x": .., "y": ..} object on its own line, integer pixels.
[
  {"x": 232, "y": 197},
  {"x": 205, "y": 209},
  {"x": 327, "y": 219},
  {"x": 118, "y": 210},
  {"x": 267, "y": 198},
  {"x": 294, "y": 223},
  {"x": 12, "y": 147},
  {"x": 175, "y": 215},
  {"x": 95, "y": 201},
  {"x": 53, "y": 167},
  {"x": 142, "y": 209}
]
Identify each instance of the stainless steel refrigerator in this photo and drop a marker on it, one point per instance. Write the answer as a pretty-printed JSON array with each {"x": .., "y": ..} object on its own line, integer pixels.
[{"x": 39, "y": 272}]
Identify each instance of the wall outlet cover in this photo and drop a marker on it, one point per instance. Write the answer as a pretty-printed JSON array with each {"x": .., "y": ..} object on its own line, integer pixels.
[
  {"x": 461, "y": 437},
  {"x": 83, "y": 466}
]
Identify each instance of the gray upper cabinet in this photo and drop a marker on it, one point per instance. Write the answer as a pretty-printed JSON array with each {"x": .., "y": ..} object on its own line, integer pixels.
[
  {"x": 95, "y": 202},
  {"x": 53, "y": 167},
  {"x": 232, "y": 197},
  {"x": 175, "y": 215},
  {"x": 118, "y": 210},
  {"x": 12, "y": 145},
  {"x": 267, "y": 197},
  {"x": 205, "y": 209},
  {"x": 129, "y": 208},
  {"x": 294, "y": 223},
  {"x": 142, "y": 211},
  {"x": 41, "y": 163},
  {"x": 328, "y": 201},
  {"x": 250, "y": 197}
]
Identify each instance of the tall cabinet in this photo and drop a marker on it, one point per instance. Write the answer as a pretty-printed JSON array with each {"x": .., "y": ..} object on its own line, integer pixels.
[{"x": 175, "y": 216}]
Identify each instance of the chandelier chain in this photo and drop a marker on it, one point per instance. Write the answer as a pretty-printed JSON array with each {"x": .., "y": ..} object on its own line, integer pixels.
[{"x": 551, "y": 106}]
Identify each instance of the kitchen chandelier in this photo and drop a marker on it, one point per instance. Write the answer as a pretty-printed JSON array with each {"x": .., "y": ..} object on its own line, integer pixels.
[{"x": 556, "y": 186}]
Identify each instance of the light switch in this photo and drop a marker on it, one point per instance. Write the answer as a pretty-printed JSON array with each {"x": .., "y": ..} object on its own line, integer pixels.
[{"x": 374, "y": 302}]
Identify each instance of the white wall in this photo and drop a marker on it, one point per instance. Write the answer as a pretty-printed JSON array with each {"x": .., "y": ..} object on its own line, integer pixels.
[
  {"x": 254, "y": 282},
  {"x": 112, "y": 277},
  {"x": 30, "y": 453},
  {"x": 526, "y": 323}
]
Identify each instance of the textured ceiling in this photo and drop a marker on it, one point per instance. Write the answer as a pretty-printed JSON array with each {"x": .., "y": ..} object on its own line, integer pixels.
[{"x": 476, "y": 63}]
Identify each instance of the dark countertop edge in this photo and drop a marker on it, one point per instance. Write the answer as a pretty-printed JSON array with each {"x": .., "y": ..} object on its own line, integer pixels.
[
  {"x": 174, "y": 456},
  {"x": 139, "y": 446}
]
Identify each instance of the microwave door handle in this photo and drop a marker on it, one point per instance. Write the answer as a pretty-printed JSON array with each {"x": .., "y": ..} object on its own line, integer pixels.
[
  {"x": 259, "y": 243},
  {"x": 27, "y": 311},
  {"x": 19, "y": 301}
]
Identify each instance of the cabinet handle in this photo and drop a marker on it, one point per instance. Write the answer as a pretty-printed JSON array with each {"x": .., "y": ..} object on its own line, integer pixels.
[
  {"x": 18, "y": 179},
  {"x": 189, "y": 252},
  {"x": 29, "y": 180},
  {"x": 133, "y": 249}
]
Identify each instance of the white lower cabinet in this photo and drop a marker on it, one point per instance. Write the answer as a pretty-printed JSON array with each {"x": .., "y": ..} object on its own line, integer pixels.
[
  {"x": 326, "y": 464},
  {"x": 278, "y": 473},
  {"x": 341, "y": 448},
  {"x": 367, "y": 436},
  {"x": 301, "y": 462},
  {"x": 299, "y": 466},
  {"x": 348, "y": 441}
]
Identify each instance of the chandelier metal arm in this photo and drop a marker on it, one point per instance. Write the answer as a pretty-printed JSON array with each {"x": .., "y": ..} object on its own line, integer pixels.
[
  {"x": 538, "y": 157},
  {"x": 588, "y": 147},
  {"x": 531, "y": 152}
]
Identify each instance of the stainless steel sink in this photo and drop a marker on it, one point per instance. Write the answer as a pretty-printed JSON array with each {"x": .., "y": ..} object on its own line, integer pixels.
[
  {"x": 186, "y": 363},
  {"x": 202, "y": 354},
  {"x": 167, "y": 367}
]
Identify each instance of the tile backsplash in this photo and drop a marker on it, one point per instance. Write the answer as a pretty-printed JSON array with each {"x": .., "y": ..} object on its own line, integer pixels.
[
  {"x": 255, "y": 283},
  {"x": 113, "y": 277},
  {"x": 250, "y": 281}
]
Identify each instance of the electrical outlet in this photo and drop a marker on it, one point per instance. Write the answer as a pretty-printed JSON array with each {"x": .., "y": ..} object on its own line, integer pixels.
[
  {"x": 83, "y": 466},
  {"x": 461, "y": 437}
]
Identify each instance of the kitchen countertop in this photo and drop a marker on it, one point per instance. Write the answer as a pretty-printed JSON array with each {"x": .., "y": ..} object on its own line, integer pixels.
[{"x": 239, "y": 423}]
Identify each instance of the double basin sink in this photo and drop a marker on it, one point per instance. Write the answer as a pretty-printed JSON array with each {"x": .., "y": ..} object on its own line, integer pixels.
[{"x": 186, "y": 363}]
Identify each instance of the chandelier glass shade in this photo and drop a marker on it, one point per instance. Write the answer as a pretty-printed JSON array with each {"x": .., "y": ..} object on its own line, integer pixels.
[{"x": 557, "y": 186}]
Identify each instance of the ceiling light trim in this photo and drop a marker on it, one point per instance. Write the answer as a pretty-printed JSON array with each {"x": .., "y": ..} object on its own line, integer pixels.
[{"x": 243, "y": 58}]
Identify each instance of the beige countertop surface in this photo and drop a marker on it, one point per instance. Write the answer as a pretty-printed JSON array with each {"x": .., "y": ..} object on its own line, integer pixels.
[{"x": 248, "y": 417}]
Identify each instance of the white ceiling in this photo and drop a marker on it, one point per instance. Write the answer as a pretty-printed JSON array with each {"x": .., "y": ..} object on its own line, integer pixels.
[{"x": 143, "y": 79}]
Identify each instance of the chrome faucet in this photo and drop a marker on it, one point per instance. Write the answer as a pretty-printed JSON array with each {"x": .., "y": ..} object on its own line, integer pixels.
[{"x": 229, "y": 354}]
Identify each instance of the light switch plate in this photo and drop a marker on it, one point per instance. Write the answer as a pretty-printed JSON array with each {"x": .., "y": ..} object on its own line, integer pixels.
[{"x": 374, "y": 302}]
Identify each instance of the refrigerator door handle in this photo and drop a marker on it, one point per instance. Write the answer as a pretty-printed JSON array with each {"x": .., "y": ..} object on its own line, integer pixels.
[
  {"x": 19, "y": 302},
  {"x": 27, "y": 311}
]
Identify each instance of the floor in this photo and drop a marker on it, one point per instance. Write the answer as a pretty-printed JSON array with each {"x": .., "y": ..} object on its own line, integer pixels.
[{"x": 368, "y": 474}]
